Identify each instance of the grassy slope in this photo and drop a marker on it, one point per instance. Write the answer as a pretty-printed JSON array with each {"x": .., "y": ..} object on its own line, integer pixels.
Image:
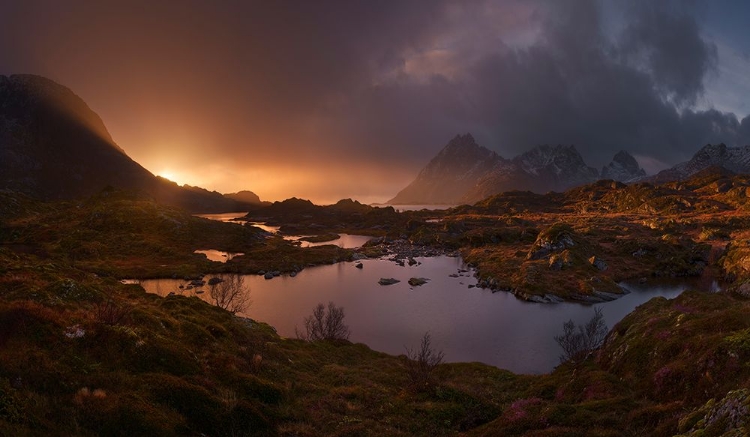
[{"x": 178, "y": 366}]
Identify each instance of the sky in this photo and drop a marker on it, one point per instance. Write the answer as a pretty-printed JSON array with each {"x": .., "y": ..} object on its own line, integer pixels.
[{"x": 351, "y": 98}]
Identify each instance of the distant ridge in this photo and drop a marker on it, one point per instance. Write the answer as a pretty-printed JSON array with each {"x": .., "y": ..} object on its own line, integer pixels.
[
  {"x": 245, "y": 196},
  {"x": 734, "y": 159},
  {"x": 53, "y": 146},
  {"x": 464, "y": 172}
]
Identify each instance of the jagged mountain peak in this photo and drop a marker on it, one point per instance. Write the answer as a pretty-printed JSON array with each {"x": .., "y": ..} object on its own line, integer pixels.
[
  {"x": 546, "y": 157},
  {"x": 735, "y": 159},
  {"x": 623, "y": 168},
  {"x": 462, "y": 141},
  {"x": 455, "y": 169},
  {"x": 711, "y": 151},
  {"x": 462, "y": 146}
]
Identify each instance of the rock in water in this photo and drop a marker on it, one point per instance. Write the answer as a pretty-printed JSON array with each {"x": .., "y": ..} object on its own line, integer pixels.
[
  {"x": 416, "y": 282},
  {"x": 388, "y": 281}
]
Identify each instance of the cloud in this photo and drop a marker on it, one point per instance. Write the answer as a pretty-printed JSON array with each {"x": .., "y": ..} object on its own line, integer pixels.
[
  {"x": 573, "y": 83},
  {"x": 358, "y": 95}
]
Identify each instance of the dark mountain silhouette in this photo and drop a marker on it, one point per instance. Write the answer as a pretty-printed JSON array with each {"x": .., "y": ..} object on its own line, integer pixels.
[
  {"x": 53, "y": 146},
  {"x": 447, "y": 177},
  {"x": 245, "y": 196},
  {"x": 623, "y": 168}
]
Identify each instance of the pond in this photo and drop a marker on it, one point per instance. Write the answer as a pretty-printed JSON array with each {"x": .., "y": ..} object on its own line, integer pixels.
[
  {"x": 218, "y": 255},
  {"x": 230, "y": 217},
  {"x": 468, "y": 324},
  {"x": 345, "y": 241}
]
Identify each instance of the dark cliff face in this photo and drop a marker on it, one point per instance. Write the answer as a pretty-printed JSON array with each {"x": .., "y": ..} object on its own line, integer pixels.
[{"x": 53, "y": 146}]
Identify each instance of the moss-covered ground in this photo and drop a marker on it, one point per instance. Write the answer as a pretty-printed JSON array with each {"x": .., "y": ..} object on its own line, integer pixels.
[{"x": 83, "y": 354}]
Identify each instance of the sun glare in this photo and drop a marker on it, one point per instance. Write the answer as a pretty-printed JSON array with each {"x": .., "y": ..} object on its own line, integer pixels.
[{"x": 172, "y": 176}]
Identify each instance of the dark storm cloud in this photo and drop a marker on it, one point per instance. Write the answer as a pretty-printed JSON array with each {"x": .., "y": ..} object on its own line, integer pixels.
[
  {"x": 665, "y": 39},
  {"x": 577, "y": 85},
  {"x": 364, "y": 92}
]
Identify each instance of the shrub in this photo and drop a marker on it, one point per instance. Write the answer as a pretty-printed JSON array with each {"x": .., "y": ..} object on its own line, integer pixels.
[
  {"x": 578, "y": 343},
  {"x": 325, "y": 324},
  {"x": 421, "y": 363},
  {"x": 110, "y": 313},
  {"x": 230, "y": 294}
]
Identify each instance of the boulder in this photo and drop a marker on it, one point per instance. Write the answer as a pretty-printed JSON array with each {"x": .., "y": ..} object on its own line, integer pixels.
[
  {"x": 416, "y": 282},
  {"x": 388, "y": 281},
  {"x": 598, "y": 263},
  {"x": 556, "y": 238},
  {"x": 268, "y": 275},
  {"x": 215, "y": 280}
]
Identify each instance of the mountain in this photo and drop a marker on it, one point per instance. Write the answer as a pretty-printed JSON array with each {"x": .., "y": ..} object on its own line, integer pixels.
[
  {"x": 735, "y": 159},
  {"x": 453, "y": 171},
  {"x": 464, "y": 172},
  {"x": 53, "y": 146},
  {"x": 245, "y": 196},
  {"x": 623, "y": 168},
  {"x": 556, "y": 167},
  {"x": 541, "y": 169}
]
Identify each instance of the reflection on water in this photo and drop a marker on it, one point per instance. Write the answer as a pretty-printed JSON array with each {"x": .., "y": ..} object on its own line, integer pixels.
[
  {"x": 402, "y": 208},
  {"x": 217, "y": 255},
  {"x": 265, "y": 227},
  {"x": 230, "y": 217},
  {"x": 468, "y": 324},
  {"x": 224, "y": 217},
  {"x": 345, "y": 241}
]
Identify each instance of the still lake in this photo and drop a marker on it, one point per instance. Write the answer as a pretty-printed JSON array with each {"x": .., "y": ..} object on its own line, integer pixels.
[{"x": 468, "y": 324}]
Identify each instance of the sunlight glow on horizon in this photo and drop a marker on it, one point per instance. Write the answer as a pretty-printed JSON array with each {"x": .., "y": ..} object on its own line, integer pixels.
[
  {"x": 278, "y": 181},
  {"x": 173, "y": 176}
]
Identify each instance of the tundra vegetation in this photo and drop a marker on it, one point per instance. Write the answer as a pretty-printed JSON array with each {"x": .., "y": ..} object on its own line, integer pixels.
[{"x": 83, "y": 354}]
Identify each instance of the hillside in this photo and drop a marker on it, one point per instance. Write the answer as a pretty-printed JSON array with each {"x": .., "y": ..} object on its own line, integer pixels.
[
  {"x": 53, "y": 146},
  {"x": 83, "y": 354}
]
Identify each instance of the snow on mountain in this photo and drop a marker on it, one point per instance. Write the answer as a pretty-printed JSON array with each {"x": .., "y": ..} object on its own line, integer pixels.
[
  {"x": 560, "y": 166},
  {"x": 736, "y": 159},
  {"x": 623, "y": 168},
  {"x": 464, "y": 172}
]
